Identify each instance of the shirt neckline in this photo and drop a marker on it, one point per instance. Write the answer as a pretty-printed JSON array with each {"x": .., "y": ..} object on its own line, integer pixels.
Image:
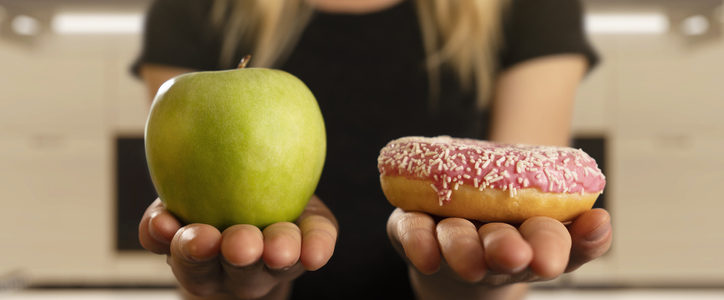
[{"x": 402, "y": 5}]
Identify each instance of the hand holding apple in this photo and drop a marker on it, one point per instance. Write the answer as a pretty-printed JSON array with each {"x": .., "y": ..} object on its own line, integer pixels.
[
  {"x": 243, "y": 146},
  {"x": 242, "y": 261}
]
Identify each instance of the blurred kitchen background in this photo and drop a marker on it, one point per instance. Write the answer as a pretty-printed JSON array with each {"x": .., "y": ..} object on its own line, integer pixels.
[{"x": 71, "y": 151}]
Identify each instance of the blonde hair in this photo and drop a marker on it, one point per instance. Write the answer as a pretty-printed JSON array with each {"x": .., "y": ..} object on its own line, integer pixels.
[{"x": 462, "y": 35}]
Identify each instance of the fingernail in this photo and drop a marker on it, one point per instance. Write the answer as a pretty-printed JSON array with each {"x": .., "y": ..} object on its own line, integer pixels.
[
  {"x": 598, "y": 233},
  {"x": 279, "y": 270},
  {"x": 287, "y": 268},
  {"x": 518, "y": 269},
  {"x": 188, "y": 248}
]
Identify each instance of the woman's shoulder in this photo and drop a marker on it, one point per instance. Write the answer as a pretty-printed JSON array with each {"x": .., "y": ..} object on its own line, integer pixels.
[
  {"x": 179, "y": 33},
  {"x": 535, "y": 28},
  {"x": 190, "y": 10},
  {"x": 533, "y": 6}
]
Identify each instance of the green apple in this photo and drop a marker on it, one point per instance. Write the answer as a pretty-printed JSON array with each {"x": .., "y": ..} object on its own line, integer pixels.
[{"x": 243, "y": 146}]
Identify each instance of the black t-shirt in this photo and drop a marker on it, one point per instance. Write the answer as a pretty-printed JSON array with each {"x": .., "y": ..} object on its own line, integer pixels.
[{"x": 367, "y": 73}]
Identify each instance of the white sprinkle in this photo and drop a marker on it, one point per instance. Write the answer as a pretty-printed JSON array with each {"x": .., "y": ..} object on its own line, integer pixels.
[
  {"x": 500, "y": 161},
  {"x": 494, "y": 179},
  {"x": 486, "y": 163}
]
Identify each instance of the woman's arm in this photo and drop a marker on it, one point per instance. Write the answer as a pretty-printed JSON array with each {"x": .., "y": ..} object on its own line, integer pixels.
[
  {"x": 533, "y": 101},
  {"x": 533, "y": 104},
  {"x": 155, "y": 75}
]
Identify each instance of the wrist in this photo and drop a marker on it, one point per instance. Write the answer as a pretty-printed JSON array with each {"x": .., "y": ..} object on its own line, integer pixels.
[
  {"x": 280, "y": 291},
  {"x": 445, "y": 284}
]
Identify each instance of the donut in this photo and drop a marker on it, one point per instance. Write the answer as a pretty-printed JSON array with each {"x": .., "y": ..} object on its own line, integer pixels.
[{"x": 486, "y": 181}]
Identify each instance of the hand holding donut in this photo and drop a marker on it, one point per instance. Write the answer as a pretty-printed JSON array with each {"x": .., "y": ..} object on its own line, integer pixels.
[
  {"x": 242, "y": 261},
  {"x": 456, "y": 252},
  {"x": 461, "y": 180}
]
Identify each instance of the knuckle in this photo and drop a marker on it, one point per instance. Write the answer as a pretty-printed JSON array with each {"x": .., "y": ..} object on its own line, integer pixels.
[{"x": 327, "y": 235}]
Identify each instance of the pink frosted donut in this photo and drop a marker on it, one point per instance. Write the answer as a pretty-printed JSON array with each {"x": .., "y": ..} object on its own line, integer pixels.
[{"x": 486, "y": 181}]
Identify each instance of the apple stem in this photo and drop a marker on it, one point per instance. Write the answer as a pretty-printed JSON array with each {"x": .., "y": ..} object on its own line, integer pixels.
[{"x": 244, "y": 61}]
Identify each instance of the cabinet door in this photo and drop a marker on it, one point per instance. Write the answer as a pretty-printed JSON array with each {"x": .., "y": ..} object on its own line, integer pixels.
[
  {"x": 663, "y": 87},
  {"x": 667, "y": 209},
  {"x": 592, "y": 110},
  {"x": 51, "y": 95},
  {"x": 56, "y": 210},
  {"x": 130, "y": 103}
]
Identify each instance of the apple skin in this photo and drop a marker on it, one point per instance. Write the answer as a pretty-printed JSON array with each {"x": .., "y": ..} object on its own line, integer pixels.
[{"x": 243, "y": 146}]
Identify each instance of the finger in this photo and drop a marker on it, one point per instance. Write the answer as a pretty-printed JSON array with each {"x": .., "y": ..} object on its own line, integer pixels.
[
  {"x": 157, "y": 228},
  {"x": 591, "y": 236},
  {"x": 194, "y": 258},
  {"x": 162, "y": 225},
  {"x": 319, "y": 234},
  {"x": 461, "y": 248},
  {"x": 505, "y": 249},
  {"x": 551, "y": 245},
  {"x": 282, "y": 245},
  {"x": 415, "y": 233},
  {"x": 242, "y": 245}
]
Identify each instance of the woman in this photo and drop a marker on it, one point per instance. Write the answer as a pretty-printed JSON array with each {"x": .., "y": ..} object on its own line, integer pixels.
[{"x": 381, "y": 69}]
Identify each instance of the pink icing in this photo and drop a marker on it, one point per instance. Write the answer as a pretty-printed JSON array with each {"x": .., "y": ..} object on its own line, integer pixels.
[{"x": 449, "y": 162}]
